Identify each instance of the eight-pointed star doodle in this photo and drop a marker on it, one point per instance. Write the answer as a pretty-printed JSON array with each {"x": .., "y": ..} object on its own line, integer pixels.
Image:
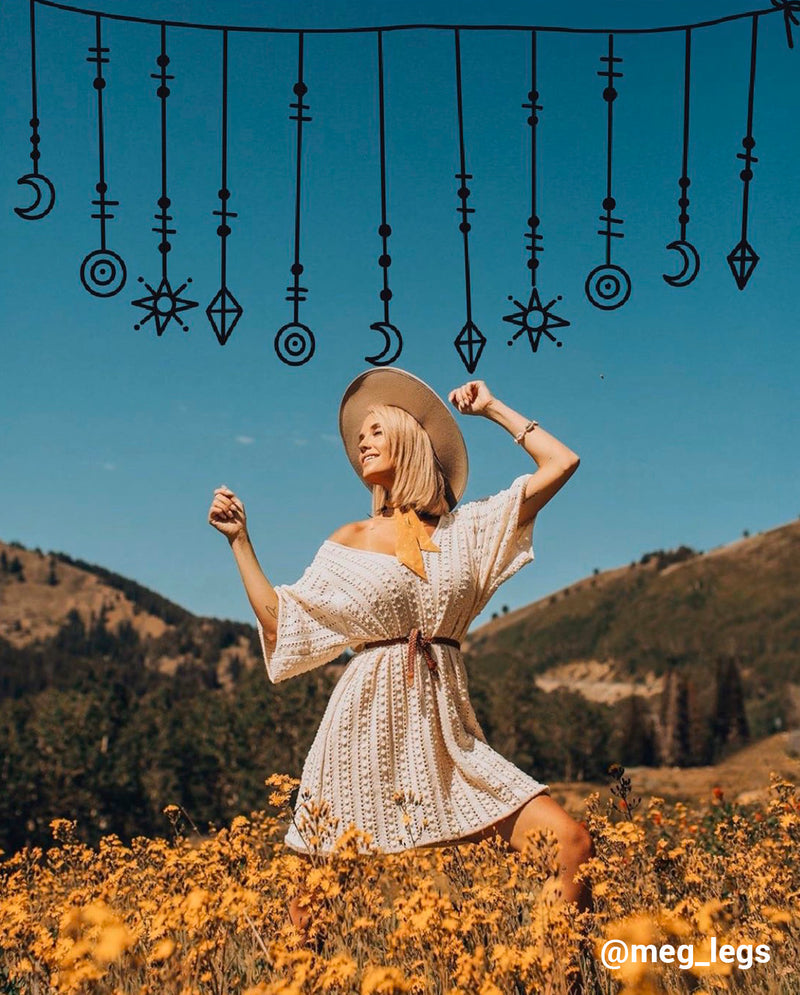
[
  {"x": 163, "y": 304},
  {"x": 535, "y": 319}
]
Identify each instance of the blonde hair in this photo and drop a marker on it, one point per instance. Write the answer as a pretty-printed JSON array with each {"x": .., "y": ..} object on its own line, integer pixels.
[{"x": 418, "y": 479}]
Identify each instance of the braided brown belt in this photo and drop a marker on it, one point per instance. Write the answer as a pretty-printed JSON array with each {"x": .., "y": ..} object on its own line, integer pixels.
[{"x": 417, "y": 643}]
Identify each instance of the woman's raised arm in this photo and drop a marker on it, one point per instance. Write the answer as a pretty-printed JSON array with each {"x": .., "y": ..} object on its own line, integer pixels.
[
  {"x": 227, "y": 515},
  {"x": 556, "y": 461}
]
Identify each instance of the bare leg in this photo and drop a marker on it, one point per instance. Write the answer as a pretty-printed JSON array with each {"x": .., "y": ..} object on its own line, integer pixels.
[
  {"x": 300, "y": 918},
  {"x": 574, "y": 842},
  {"x": 575, "y": 845}
]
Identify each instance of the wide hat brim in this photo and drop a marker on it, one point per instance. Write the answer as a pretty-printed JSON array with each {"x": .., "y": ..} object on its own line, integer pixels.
[{"x": 404, "y": 390}]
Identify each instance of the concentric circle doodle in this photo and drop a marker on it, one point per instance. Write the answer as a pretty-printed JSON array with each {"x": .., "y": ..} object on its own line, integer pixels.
[
  {"x": 608, "y": 287},
  {"x": 103, "y": 273},
  {"x": 294, "y": 344}
]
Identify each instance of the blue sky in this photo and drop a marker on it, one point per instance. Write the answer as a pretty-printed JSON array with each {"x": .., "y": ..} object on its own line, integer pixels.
[{"x": 681, "y": 404}]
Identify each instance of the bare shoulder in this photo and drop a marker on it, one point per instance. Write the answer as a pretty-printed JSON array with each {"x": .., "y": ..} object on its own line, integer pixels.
[{"x": 347, "y": 535}]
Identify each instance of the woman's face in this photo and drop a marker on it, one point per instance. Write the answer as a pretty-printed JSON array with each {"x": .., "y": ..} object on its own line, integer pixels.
[{"x": 376, "y": 463}]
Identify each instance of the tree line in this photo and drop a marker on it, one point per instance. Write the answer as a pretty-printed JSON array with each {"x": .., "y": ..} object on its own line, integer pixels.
[{"x": 92, "y": 730}]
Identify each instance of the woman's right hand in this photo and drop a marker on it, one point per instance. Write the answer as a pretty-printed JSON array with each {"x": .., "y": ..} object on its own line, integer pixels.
[{"x": 227, "y": 514}]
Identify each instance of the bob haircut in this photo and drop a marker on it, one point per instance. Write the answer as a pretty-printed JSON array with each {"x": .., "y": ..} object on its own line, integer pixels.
[{"x": 418, "y": 479}]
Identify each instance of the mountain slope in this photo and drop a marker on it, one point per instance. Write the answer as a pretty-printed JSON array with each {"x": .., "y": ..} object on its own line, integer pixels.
[
  {"x": 667, "y": 609},
  {"x": 115, "y": 702}
]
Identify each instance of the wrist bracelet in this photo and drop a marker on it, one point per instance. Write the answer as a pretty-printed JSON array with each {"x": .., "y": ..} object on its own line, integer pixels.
[{"x": 521, "y": 435}]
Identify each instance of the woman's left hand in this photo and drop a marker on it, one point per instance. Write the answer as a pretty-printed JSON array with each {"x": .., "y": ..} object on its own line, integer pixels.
[{"x": 472, "y": 398}]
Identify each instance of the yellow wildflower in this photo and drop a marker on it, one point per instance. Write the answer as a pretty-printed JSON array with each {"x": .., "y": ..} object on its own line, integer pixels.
[
  {"x": 162, "y": 950},
  {"x": 383, "y": 981}
]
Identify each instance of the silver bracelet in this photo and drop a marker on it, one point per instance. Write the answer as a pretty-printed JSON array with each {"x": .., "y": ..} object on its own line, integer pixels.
[{"x": 521, "y": 435}]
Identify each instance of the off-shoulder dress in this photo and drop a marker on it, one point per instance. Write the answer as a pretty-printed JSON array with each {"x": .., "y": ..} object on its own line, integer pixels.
[{"x": 383, "y": 736}]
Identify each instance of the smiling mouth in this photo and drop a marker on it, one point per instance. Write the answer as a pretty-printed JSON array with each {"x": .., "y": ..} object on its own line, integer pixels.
[{"x": 367, "y": 459}]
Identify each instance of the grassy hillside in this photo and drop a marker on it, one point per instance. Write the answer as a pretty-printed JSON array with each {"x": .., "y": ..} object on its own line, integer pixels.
[
  {"x": 678, "y": 611},
  {"x": 740, "y": 599},
  {"x": 115, "y": 702}
]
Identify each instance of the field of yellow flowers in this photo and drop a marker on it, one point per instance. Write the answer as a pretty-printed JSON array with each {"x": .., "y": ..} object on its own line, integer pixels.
[{"x": 208, "y": 916}]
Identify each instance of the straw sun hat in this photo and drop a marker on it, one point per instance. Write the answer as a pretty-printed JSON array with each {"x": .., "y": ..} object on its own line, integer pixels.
[{"x": 404, "y": 390}]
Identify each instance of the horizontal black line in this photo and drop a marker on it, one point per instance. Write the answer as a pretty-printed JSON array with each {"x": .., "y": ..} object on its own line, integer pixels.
[{"x": 403, "y": 27}]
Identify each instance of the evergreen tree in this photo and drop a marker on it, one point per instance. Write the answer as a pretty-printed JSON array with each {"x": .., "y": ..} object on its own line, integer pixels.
[
  {"x": 675, "y": 721},
  {"x": 638, "y": 735},
  {"x": 71, "y": 637},
  {"x": 729, "y": 722}
]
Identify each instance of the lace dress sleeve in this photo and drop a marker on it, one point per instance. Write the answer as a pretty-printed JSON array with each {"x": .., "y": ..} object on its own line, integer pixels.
[
  {"x": 309, "y": 633},
  {"x": 498, "y": 546}
]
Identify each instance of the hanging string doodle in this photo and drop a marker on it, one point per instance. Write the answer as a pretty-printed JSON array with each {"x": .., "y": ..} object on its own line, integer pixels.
[
  {"x": 534, "y": 319},
  {"x": 788, "y": 7},
  {"x": 224, "y": 310},
  {"x": 691, "y": 257},
  {"x": 393, "y": 340},
  {"x": 609, "y": 286},
  {"x": 743, "y": 257},
  {"x": 294, "y": 342},
  {"x": 102, "y": 271},
  {"x": 470, "y": 340},
  {"x": 42, "y": 186},
  {"x": 163, "y": 303}
]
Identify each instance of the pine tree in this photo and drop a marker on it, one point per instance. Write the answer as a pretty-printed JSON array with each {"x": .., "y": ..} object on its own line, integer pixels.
[
  {"x": 15, "y": 567},
  {"x": 639, "y": 741},
  {"x": 729, "y": 723},
  {"x": 741, "y": 728},
  {"x": 675, "y": 721}
]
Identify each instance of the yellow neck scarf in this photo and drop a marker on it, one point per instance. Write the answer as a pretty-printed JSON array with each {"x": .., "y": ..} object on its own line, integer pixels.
[{"x": 411, "y": 539}]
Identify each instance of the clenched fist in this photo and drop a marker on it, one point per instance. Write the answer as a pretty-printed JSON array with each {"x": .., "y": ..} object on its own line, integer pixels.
[
  {"x": 472, "y": 398},
  {"x": 227, "y": 514}
]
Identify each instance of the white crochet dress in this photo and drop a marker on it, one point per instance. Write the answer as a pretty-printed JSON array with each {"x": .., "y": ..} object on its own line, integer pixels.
[{"x": 380, "y": 735}]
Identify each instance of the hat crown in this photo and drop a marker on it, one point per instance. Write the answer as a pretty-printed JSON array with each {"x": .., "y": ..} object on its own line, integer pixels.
[{"x": 407, "y": 391}]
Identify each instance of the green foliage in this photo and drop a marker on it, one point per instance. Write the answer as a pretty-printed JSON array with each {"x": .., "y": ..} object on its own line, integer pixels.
[
  {"x": 704, "y": 607},
  {"x": 663, "y": 558},
  {"x": 12, "y": 567},
  {"x": 89, "y": 731},
  {"x": 555, "y": 736},
  {"x": 91, "y": 727},
  {"x": 52, "y": 576}
]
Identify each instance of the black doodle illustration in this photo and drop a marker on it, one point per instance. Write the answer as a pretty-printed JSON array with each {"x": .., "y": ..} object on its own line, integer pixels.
[
  {"x": 470, "y": 340},
  {"x": 392, "y": 339},
  {"x": 163, "y": 303},
  {"x": 609, "y": 286},
  {"x": 42, "y": 186},
  {"x": 102, "y": 271},
  {"x": 789, "y": 7},
  {"x": 743, "y": 257},
  {"x": 294, "y": 342},
  {"x": 224, "y": 310},
  {"x": 534, "y": 320},
  {"x": 689, "y": 254}
]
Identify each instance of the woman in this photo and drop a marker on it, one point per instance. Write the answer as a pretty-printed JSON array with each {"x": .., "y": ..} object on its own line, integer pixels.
[{"x": 401, "y": 588}]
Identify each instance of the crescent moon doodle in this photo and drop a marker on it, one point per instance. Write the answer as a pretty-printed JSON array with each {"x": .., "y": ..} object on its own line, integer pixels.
[
  {"x": 691, "y": 264},
  {"x": 387, "y": 330},
  {"x": 45, "y": 196}
]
